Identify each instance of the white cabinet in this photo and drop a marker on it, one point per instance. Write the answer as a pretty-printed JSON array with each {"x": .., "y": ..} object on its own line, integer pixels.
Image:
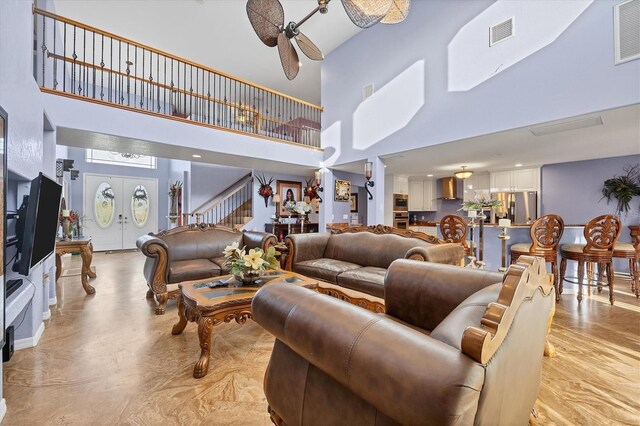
[
  {"x": 477, "y": 182},
  {"x": 400, "y": 184},
  {"x": 515, "y": 180},
  {"x": 421, "y": 195},
  {"x": 526, "y": 179},
  {"x": 416, "y": 196}
]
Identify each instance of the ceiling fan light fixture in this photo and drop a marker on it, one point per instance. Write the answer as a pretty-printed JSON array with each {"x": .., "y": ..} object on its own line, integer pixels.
[
  {"x": 366, "y": 13},
  {"x": 398, "y": 12},
  {"x": 463, "y": 173}
]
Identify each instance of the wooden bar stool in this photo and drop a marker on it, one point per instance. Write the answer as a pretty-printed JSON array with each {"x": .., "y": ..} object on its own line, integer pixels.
[
  {"x": 631, "y": 251},
  {"x": 546, "y": 233},
  {"x": 454, "y": 229},
  {"x": 601, "y": 234}
]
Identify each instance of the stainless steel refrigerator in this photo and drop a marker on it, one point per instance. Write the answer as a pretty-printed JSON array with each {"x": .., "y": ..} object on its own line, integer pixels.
[{"x": 520, "y": 207}]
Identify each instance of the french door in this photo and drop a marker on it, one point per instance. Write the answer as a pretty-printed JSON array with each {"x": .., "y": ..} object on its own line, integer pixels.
[{"x": 118, "y": 210}]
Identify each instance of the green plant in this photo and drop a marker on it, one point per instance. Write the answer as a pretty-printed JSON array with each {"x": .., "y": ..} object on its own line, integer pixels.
[
  {"x": 623, "y": 188},
  {"x": 481, "y": 203}
]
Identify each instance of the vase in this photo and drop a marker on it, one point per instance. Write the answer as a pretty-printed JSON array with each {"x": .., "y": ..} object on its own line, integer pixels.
[
  {"x": 66, "y": 229},
  {"x": 247, "y": 278}
]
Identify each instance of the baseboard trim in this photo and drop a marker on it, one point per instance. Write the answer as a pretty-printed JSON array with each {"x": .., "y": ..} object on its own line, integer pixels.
[
  {"x": 29, "y": 342},
  {"x": 3, "y": 408},
  {"x": 53, "y": 301},
  {"x": 46, "y": 314}
]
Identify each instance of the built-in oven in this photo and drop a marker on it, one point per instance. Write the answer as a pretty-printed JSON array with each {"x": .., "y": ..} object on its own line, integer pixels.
[
  {"x": 401, "y": 220},
  {"x": 400, "y": 203}
]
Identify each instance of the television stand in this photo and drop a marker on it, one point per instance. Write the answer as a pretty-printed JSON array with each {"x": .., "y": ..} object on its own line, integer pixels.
[{"x": 12, "y": 286}]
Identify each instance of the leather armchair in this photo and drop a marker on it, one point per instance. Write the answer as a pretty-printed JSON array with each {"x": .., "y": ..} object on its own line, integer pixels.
[
  {"x": 190, "y": 252},
  {"x": 453, "y": 345}
]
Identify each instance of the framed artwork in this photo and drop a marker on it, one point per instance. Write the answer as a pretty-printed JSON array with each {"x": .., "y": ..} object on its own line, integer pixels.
[
  {"x": 353, "y": 201},
  {"x": 343, "y": 190},
  {"x": 289, "y": 191}
]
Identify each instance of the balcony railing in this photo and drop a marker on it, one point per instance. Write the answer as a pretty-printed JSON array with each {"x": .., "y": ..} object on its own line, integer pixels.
[{"x": 76, "y": 60}]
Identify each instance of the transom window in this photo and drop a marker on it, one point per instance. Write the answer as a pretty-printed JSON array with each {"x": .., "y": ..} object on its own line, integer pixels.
[{"x": 121, "y": 159}]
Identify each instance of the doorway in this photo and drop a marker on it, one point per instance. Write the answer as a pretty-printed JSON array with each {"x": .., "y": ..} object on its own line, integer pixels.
[{"x": 118, "y": 210}]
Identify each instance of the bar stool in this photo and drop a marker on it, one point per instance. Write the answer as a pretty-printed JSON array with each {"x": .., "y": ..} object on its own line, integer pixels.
[
  {"x": 454, "y": 229},
  {"x": 601, "y": 234},
  {"x": 546, "y": 233},
  {"x": 631, "y": 251}
]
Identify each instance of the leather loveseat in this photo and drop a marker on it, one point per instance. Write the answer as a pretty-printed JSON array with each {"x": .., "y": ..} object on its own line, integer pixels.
[
  {"x": 455, "y": 346},
  {"x": 352, "y": 262},
  {"x": 190, "y": 252}
]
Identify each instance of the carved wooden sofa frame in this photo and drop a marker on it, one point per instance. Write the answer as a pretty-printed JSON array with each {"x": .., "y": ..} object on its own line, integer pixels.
[
  {"x": 154, "y": 247},
  {"x": 357, "y": 298}
]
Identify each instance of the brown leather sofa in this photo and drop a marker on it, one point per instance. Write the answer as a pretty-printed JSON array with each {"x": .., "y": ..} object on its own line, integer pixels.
[
  {"x": 455, "y": 346},
  {"x": 354, "y": 261},
  {"x": 190, "y": 252}
]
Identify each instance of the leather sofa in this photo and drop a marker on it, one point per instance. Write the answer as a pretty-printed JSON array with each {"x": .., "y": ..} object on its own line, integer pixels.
[
  {"x": 353, "y": 261},
  {"x": 455, "y": 346},
  {"x": 190, "y": 252}
]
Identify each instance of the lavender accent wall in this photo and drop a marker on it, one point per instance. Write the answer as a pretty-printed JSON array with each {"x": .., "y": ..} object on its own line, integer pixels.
[
  {"x": 340, "y": 208},
  {"x": 208, "y": 180},
  {"x": 573, "y": 190},
  {"x": 573, "y": 75}
]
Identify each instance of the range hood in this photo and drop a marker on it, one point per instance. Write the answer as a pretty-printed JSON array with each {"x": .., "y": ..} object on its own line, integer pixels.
[{"x": 448, "y": 188}]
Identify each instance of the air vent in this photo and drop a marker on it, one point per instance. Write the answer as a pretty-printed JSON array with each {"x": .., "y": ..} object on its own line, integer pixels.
[
  {"x": 566, "y": 126},
  {"x": 367, "y": 91},
  {"x": 626, "y": 30},
  {"x": 501, "y": 32}
]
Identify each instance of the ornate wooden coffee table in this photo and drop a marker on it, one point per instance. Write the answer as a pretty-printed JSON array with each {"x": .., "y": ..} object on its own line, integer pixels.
[
  {"x": 85, "y": 248},
  {"x": 222, "y": 299}
]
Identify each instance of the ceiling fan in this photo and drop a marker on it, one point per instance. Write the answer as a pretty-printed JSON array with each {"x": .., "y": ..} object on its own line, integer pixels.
[{"x": 267, "y": 19}]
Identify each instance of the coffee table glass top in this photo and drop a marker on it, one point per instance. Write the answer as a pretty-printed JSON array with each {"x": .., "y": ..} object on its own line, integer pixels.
[{"x": 226, "y": 287}]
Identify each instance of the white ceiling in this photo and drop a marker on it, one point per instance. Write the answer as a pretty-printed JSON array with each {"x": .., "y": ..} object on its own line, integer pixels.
[
  {"x": 618, "y": 135},
  {"x": 217, "y": 33}
]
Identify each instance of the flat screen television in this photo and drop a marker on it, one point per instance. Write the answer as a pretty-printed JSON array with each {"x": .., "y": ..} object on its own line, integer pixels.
[{"x": 40, "y": 222}]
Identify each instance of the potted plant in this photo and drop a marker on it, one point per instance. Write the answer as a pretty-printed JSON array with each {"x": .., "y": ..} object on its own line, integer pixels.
[
  {"x": 623, "y": 188},
  {"x": 175, "y": 191},
  {"x": 248, "y": 267}
]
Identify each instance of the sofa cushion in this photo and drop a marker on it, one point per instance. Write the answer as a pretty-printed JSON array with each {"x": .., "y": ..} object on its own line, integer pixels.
[
  {"x": 200, "y": 244},
  {"x": 366, "y": 248},
  {"x": 195, "y": 269},
  {"x": 220, "y": 261},
  {"x": 467, "y": 314},
  {"x": 369, "y": 279},
  {"x": 324, "y": 269}
]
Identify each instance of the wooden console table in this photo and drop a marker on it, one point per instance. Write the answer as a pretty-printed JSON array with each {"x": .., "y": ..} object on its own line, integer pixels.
[
  {"x": 280, "y": 230},
  {"x": 85, "y": 248}
]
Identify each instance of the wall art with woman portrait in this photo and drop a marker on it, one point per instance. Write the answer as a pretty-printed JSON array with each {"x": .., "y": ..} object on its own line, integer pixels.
[{"x": 289, "y": 191}]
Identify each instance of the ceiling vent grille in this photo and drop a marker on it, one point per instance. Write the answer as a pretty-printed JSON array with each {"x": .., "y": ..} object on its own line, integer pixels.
[
  {"x": 626, "y": 26},
  {"x": 501, "y": 32},
  {"x": 565, "y": 126},
  {"x": 367, "y": 91}
]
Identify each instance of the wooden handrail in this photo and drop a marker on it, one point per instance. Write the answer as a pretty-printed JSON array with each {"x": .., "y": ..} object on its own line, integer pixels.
[
  {"x": 228, "y": 188},
  {"x": 222, "y": 200},
  {"x": 48, "y": 14}
]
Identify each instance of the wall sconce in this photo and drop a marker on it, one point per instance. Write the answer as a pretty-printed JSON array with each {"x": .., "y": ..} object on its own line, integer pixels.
[
  {"x": 368, "y": 173},
  {"x": 314, "y": 187}
]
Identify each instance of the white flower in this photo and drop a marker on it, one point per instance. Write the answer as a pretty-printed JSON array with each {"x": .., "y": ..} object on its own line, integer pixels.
[
  {"x": 254, "y": 259},
  {"x": 233, "y": 248},
  {"x": 302, "y": 207}
]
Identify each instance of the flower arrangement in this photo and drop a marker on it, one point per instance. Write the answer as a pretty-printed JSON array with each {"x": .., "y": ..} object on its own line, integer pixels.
[
  {"x": 248, "y": 266},
  {"x": 290, "y": 206},
  {"x": 175, "y": 192},
  {"x": 265, "y": 190},
  {"x": 623, "y": 188},
  {"x": 302, "y": 208},
  {"x": 480, "y": 203}
]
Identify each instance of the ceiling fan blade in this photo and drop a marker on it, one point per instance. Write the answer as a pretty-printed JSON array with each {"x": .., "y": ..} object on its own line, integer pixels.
[
  {"x": 398, "y": 12},
  {"x": 308, "y": 48},
  {"x": 267, "y": 18},
  {"x": 288, "y": 57},
  {"x": 366, "y": 13}
]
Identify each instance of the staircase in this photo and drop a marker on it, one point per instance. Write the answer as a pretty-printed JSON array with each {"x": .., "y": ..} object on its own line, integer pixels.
[{"x": 232, "y": 207}]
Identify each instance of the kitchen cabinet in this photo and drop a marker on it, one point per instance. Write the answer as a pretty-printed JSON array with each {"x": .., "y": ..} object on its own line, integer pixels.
[
  {"x": 421, "y": 195},
  {"x": 400, "y": 184},
  {"x": 515, "y": 180},
  {"x": 473, "y": 185}
]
